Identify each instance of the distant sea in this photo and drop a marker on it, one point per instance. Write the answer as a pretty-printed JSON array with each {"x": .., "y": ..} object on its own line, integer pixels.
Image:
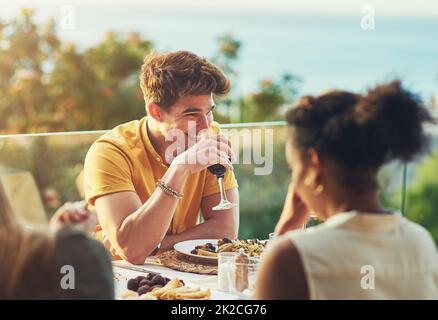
[{"x": 325, "y": 50}]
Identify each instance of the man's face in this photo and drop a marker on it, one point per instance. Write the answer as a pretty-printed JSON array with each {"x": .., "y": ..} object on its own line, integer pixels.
[{"x": 190, "y": 114}]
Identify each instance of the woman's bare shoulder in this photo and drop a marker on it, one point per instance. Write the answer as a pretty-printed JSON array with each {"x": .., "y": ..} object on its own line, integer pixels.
[{"x": 281, "y": 274}]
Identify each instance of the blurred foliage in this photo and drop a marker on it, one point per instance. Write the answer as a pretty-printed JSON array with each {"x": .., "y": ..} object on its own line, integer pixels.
[
  {"x": 50, "y": 85},
  {"x": 260, "y": 207},
  {"x": 422, "y": 195},
  {"x": 267, "y": 103}
]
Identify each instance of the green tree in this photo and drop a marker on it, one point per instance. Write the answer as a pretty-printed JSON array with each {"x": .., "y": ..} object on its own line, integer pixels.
[
  {"x": 226, "y": 57},
  {"x": 48, "y": 85},
  {"x": 422, "y": 195},
  {"x": 24, "y": 100},
  {"x": 266, "y": 103}
]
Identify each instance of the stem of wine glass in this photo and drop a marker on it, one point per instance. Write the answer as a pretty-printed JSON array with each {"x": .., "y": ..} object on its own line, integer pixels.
[
  {"x": 224, "y": 204},
  {"x": 220, "y": 180}
]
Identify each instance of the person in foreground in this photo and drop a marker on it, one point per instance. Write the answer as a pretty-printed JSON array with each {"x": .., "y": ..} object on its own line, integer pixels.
[
  {"x": 60, "y": 263},
  {"x": 338, "y": 142},
  {"x": 146, "y": 196}
]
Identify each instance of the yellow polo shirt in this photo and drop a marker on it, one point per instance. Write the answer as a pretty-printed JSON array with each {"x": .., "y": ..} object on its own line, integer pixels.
[{"x": 125, "y": 160}]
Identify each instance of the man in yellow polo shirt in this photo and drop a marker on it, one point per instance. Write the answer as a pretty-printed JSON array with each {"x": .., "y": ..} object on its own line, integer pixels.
[{"x": 122, "y": 167}]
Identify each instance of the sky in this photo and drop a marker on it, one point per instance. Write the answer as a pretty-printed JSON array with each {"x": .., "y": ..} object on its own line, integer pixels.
[
  {"x": 404, "y": 47},
  {"x": 386, "y": 7}
]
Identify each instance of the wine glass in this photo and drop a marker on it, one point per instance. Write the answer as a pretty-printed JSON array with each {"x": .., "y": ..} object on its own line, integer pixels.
[{"x": 219, "y": 171}]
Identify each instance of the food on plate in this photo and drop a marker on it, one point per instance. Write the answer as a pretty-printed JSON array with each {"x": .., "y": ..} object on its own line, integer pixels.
[
  {"x": 157, "y": 287},
  {"x": 206, "y": 253},
  {"x": 253, "y": 247},
  {"x": 226, "y": 247},
  {"x": 128, "y": 294},
  {"x": 143, "y": 285}
]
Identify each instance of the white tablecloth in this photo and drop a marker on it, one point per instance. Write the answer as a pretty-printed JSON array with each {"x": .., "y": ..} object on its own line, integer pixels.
[{"x": 122, "y": 275}]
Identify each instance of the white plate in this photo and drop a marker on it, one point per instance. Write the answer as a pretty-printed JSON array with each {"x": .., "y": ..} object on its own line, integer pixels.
[{"x": 185, "y": 247}]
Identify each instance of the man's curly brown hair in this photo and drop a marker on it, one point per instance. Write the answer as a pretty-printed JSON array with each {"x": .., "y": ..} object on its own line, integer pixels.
[{"x": 166, "y": 77}]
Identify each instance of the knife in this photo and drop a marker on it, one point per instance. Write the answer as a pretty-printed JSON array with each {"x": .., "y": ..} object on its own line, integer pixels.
[{"x": 134, "y": 268}]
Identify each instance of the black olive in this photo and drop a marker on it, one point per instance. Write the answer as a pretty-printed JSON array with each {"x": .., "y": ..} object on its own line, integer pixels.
[
  {"x": 133, "y": 284},
  {"x": 158, "y": 280},
  {"x": 144, "y": 282},
  {"x": 151, "y": 275},
  {"x": 139, "y": 278},
  {"x": 143, "y": 290}
]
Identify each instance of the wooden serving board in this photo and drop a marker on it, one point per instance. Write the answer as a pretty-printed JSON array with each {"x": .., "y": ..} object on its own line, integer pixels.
[{"x": 177, "y": 261}]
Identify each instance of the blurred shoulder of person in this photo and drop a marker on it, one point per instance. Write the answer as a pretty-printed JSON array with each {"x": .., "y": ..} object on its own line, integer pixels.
[{"x": 61, "y": 263}]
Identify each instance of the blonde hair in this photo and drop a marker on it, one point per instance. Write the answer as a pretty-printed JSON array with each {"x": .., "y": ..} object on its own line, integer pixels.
[
  {"x": 28, "y": 268},
  {"x": 166, "y": 77}
]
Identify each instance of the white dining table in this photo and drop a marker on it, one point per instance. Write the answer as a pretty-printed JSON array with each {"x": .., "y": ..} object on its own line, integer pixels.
[{"x": 123, "y": 271}]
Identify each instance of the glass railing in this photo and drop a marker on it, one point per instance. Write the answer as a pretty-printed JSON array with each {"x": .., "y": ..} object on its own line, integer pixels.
[
  {"x": 421, "y": 191},
  {"x": 39, "y": 172}
]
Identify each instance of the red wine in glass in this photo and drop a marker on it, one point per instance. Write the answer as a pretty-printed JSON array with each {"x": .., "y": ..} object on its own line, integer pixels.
[{"x": 219, "y": 171}]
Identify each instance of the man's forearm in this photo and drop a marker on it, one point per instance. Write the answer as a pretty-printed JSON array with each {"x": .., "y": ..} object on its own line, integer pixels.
[
  {"x": 210, "y": 229},
  {"x": 141, "y": 231}
]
